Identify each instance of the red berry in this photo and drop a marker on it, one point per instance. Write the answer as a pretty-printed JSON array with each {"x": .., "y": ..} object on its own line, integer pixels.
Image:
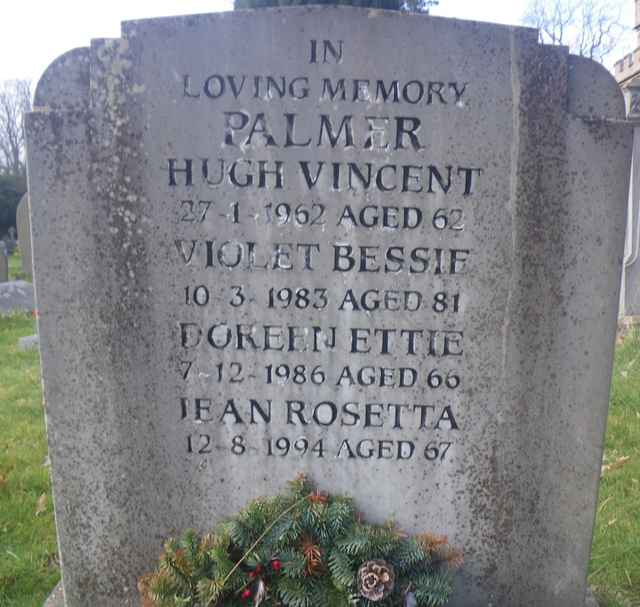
[
  {"x": 276, "y": 565},
  {"x": 246, "y": 594},
  {"x": 252, "y": 574},
  {"x": 258, "y": 568}
]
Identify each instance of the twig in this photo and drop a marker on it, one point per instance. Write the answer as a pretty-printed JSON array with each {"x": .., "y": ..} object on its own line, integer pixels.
[
  {"x": 604, "y": 504},
  {"x": 262, "y": 535}
]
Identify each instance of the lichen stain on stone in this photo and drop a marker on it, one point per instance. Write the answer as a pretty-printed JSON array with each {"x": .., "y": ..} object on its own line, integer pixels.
[
  {"x": 599, "y": 129},
  {"x": 113, "y": 90}
]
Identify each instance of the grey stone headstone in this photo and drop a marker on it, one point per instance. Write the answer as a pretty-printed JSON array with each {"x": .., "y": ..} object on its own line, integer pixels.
[
  {"x": 391, "y": 242},
  {"x": 10, "y": 241},
  {"x": 24, "y": 234},
  {"x": 591, "y": 600},
  {"x": 56, "y": 598},
  {"x": 30, "y": 342},
  {"x": 16, "y": 296},
  {"x": 4, "y": 263},
  {"x": 631, "y": 274}
]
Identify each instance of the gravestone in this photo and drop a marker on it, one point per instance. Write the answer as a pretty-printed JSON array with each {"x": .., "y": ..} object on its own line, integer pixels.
[
  {"x": 4, "y": 262},
  {"x": 10, "y": 240},
  {"x": 29, "y": 342},
  {"x": 24, "y": 233},
  {"x": 16, "y": 296},
  {"x": 380, "y": 249}
]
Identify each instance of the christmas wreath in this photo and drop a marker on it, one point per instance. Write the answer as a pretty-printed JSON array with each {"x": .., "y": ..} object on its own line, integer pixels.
[{"x": 302, "y": 548}]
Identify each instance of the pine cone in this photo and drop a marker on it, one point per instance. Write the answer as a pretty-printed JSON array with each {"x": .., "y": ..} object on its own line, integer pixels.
[{"x": 375, "y": 580}]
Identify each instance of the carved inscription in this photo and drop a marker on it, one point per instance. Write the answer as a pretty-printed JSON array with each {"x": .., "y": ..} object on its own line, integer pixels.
[{"x": 323, "y": 248}]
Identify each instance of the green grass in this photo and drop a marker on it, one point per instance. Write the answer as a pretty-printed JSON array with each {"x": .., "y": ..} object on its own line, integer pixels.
[
  {"x": 28, "y": 565},
  {"x": 28, "y": 562},
  {"x": 615, "y": 561}
]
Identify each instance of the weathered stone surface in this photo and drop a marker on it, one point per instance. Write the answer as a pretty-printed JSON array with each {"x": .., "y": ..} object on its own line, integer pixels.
[
  {"x": 412, "y": 300},
  {"x": 16, "y": 295},
  {"x": 4, "y": 264},
  {"x": 630, "y": 292},
  {"x": 10, "y": 241},
  {"x": 30, "y": 342},
  {"x": 591, "y": 599},
  {"x": 56, "y": 598},
  {"x": 24, "y": 233}
]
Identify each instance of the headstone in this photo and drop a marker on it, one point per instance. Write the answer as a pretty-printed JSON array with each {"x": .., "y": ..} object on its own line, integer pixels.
[
  {"x": 56, "y": 598},
  {"x": 591, "y": 599},
  {"x": 24, "y": 234},
  {"x": 29, "y": 342},
  {"x": 16, "y": 296},
  {"x": 630, "y": 304},
  {"x": 10, "y": 240},
  {"x": 4, "y": 262},
  {"x": 378, "y": 248}
]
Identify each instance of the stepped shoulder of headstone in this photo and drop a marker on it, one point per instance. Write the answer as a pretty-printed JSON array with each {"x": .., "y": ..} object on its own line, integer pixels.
[{"x": 381, "y": 249}]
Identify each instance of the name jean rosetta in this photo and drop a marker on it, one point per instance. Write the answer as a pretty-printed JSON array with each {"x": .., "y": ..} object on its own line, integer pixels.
[{"x": 356, "y": 244}]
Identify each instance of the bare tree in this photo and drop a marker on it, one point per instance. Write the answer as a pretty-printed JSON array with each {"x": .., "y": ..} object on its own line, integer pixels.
[
  {"x": 418, "y": 6},
  {"x": 15, "y": 101},
  {"x": 590, "y": 28}
]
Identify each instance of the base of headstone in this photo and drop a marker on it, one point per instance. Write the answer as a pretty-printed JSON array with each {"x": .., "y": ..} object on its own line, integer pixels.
[
  {"x": 591, "y": 599},
  {"x": 56, "y": 598},
  {"x": 30, "y": 342},
  {"x": 16, "y": 296}
]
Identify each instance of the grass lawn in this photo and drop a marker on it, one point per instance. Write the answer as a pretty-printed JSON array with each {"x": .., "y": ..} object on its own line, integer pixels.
[
  {"x": 28, "y": 565},
  {"x": 615, "y": 561},
  {"x": 28, "y": 561}
]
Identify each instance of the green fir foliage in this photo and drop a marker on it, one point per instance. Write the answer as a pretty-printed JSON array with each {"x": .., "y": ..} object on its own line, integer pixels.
[{"x": 297, "y": 549}]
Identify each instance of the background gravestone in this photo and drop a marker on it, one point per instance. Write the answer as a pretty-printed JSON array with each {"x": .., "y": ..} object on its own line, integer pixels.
[
  {"x": 4, "y": 262},
  {"x": 10, "y": 240},
  {"x": 377, "y": 248},
  {"x": 16, "y": 296},
  {"x": 24, "y": 233}
]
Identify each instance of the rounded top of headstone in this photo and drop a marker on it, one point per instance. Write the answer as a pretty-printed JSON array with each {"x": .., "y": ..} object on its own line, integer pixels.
[
  {"x": 65, "y": 83},
  {"x": 593, "y": 90}
]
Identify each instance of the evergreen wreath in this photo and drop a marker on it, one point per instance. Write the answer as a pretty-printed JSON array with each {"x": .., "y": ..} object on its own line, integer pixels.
[{"x": 302, "y": 548}]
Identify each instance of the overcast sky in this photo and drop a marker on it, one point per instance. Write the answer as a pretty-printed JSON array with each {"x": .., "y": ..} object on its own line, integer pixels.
[{"x": 36, "y": 32}]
